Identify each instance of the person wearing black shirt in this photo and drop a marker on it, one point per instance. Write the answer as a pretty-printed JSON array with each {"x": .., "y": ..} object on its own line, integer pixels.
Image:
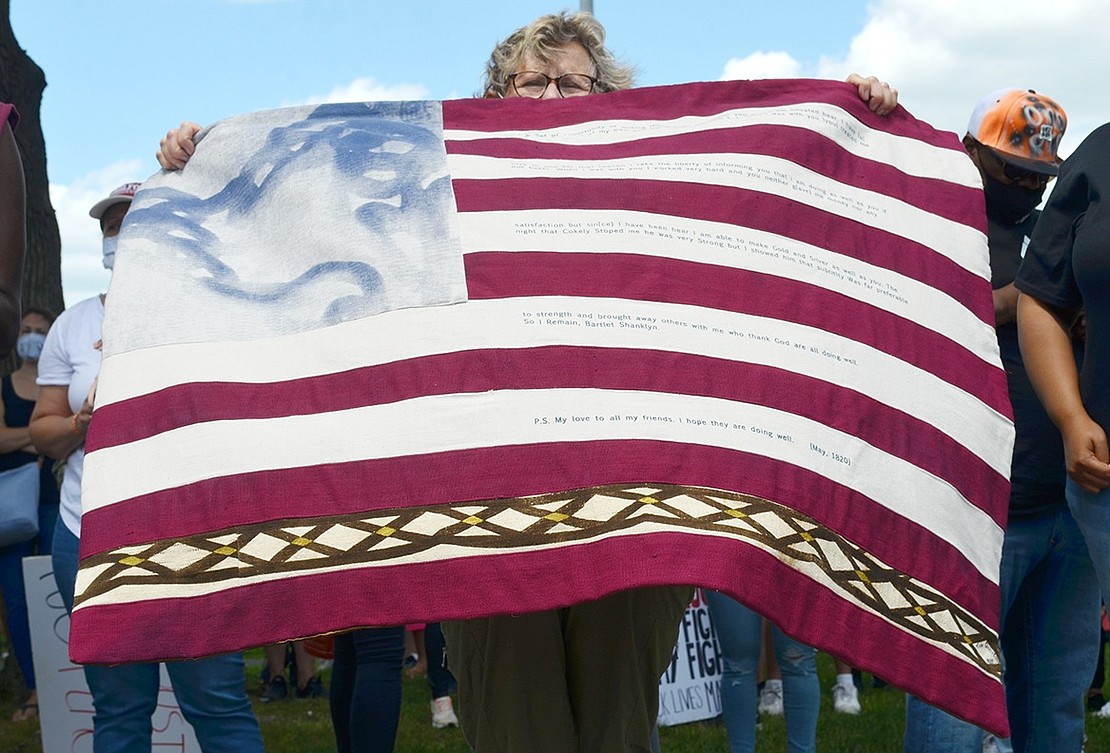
[
  {"x": 1065, "y": 273},
  {"x": 1049, "y": 592}
]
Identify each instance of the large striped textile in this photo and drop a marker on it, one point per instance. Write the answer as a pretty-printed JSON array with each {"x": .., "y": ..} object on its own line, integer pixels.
[{"x": 388, "y": 363}]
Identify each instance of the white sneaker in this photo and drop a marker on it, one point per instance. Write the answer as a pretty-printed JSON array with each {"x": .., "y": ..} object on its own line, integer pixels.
[
  {"x": 770, "y": 699},
  {"x": 443, "y": 713},
  {"x": 845, "y": 699},
  {"x": 1103, "y": 712}
]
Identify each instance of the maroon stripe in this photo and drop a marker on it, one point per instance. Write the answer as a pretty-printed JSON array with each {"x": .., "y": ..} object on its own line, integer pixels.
[
  {"x": 520, "y": 583},
  {"x": 502, "y": 275},
  {"x": 523, "y": 470},
  {"x": 810, "y": 150},
  {"x": 853, "y": 413},
  {"x": 751, "y": 209},
  {"x": 695, "y": 99}
]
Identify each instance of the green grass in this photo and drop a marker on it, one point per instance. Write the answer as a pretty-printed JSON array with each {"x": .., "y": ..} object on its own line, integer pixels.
[{"x": 304, "y": 726}]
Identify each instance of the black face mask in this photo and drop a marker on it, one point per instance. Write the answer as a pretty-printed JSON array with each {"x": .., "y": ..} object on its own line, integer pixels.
[{"x": 1009, "y": 203}]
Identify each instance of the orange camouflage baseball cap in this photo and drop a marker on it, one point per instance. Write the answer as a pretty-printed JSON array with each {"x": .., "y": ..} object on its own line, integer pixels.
[{"x": 1022, "y": 127}]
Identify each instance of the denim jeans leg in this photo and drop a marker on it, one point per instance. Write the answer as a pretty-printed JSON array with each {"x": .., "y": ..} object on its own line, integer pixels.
[
  {"x": 440, "y": 680},
  {"x": 801, "y": 691},
  {"x": 63, "y": 558},
  {"x": 1092, "y": 513},
  {"x": 366, "y": 689},
  {"x": 212, "y": 695},
  {"x": 15, "y": 602},
  {"x": 739, "y": 634},
  {"x": 930, "y": 730},
  {"x": 48, "y": 519},
  {"x": 1050, "y": 632},
  {"x": 124, "y": 696}
]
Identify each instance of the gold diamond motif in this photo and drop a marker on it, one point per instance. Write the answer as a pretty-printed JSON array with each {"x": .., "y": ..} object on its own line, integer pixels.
[{"x": 577, "y": 515}]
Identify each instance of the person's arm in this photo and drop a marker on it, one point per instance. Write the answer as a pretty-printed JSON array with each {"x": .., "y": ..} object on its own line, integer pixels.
[
  {"x": 55, "y": 430},
  {"x": 1005, "y": 304},
  {"x": 13, "y": 237},
  {"x": 1047, "y": 351},
  {"x": 13, "y": 438},
  {"x": 881, "y": 97},
  {"x": 177, "y": 147}
]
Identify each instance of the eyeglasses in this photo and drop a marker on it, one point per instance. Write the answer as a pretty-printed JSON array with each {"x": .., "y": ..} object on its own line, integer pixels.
[
  {"x": 1016, "y": 174},
  {"x": 533, "y": 84}
]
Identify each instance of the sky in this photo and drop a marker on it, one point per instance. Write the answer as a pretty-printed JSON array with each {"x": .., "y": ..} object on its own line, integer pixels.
[{"x": 121, "y": 73}]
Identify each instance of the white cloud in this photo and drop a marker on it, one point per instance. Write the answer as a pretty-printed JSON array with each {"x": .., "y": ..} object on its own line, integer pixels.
[
  {"x": 83, "y": 274},
  {"x": 368, "y": 90},
  {"x": 944, "y": 55},
  {"x": 762, "y": 65}
]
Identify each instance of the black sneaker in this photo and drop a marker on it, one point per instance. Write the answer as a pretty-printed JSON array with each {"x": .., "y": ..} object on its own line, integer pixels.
[
  {"x": 275, "y": 691},
  {"x": 312, "y": 689}
]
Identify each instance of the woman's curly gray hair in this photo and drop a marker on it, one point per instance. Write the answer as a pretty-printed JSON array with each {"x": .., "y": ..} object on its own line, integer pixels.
[{"x": 547, "y": 33}]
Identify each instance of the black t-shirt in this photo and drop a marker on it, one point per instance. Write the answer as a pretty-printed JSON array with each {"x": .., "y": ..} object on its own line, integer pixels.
[
  {"x": 1037, "y": 472},
  {"x": 1068, "y": 261}
]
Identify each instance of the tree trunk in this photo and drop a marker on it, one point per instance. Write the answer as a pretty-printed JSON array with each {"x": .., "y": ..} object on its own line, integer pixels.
[{"x": 21, "y": 84}]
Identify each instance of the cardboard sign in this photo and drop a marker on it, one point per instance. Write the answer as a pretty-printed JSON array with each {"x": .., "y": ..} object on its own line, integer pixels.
[
  {"x": 65, "y": 703},
  {"x": 689, "y": 689}
]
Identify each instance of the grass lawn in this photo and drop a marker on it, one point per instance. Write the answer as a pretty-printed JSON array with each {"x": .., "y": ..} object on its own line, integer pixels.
[{"x": 304, "y": 726}]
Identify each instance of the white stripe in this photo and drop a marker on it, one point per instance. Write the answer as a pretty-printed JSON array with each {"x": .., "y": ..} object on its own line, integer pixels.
[
  {"x": 502, "y": 323},
  {"x": 641, "y": 233},
  {"x": 910, "y": 155},
  {"x": 965, "y": 245},
  {"x": 493, "y": 419}
]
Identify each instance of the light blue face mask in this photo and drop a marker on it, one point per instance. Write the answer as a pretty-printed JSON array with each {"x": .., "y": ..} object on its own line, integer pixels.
[
  {"x": 29, "y": 345},
  {"x": 110, "y": 251}
]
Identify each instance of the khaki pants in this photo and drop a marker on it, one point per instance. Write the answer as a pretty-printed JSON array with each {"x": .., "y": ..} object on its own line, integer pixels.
[{"x": 583, "y": 679}]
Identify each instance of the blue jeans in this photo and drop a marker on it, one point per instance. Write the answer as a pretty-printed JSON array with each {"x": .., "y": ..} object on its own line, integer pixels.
[
  {"x": 1092, "y": 513},
  {"x": 365, "y": 693},
  {"x": 1050, "y": 638},
  {"x": 15, "y": 595},
  {"x": 211, "y": 692},
  {"x": 740, "y": 632},
  {"x": 440, "y": 680}
]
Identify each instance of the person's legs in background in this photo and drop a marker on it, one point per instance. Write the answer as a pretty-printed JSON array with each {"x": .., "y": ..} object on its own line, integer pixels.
[
  {"x": 365, "y": 696},
  {"x": 801, "y": 691},
  {"x": 845, "y": 694},
  {"x": 930, "y": 730},
  {"x": 617, "y": 647},
  {"x": 440, "y": 680},
  {"x": 213, "y": 699},
  {"x": 739, "y": 634},
  {"x": 19, "y": 631},
  {"x": 770, "y": 689},
  {"x": 511, "y": 671},
  {"x": 124, "y": 696}
]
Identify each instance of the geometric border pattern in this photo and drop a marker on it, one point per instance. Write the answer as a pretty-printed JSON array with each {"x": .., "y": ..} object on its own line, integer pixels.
[{"x": 297, "y": 546}]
